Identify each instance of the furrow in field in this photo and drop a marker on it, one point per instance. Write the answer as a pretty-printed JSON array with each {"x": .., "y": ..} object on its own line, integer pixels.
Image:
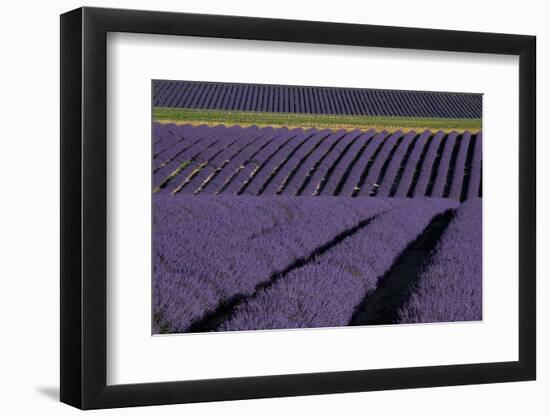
[
  {"x": 382, "y": 306},
  {"x": 351, "y": 176},
  {"x": 251, "y": 166},
  {"x": 338, "y": 172},
  {"x": 413, "y": 165},
  {"x": 474, "y": 182},
  {"x": 184, "y": 150},
  {"x": 195, "y": 161},
  {"x": 314, "y": 183},
  {"x": 428, "y": 174},
  {"x": 270, "y": 161},
  {"x": 326, "y": 291},
  {"x": 265, "y": 176},
  {"x": 442, "y": 176},
  {"x": 450, "y": 287},
  {"x": 211, "y": 251},
  {"x": 374, "y": 172},
  {"x": 264, "y": 157},
  {"x": 390, "y": 178},
  {"x": 288, "y": 168},
  {"x": 268, "y": 137},
  {"x": 308, "y": 163},
  {"x": 181, "y": 138},
  {"x": 307, "y": 167},
  {"x": 460, "y": 167},
  {"x": 452, "y": 164},
  {"x": 204, "y": 159},
  {"x": 249, "y": 139}
]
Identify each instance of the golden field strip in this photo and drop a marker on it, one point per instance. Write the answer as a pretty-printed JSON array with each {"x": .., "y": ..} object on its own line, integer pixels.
[{"x": 293, "y": 120}]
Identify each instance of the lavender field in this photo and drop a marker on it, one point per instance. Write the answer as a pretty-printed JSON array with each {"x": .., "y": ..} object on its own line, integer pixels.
[
  {"x": 267, "y": 227},
  {"x": 314, "y": 100},
  {"x": 296, "y": 162}
]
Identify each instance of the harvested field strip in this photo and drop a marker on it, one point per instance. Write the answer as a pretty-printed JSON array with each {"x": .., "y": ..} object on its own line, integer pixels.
[{"x": 292, "y": 120}]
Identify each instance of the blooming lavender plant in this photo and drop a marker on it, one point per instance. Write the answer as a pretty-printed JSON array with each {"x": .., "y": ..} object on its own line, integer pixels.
[
  {"x": 207, "y": 250},
  {"x": 326, "y": 291},
  {"x": 450, "y": 287},
  {"x": 411, "y": 169}
]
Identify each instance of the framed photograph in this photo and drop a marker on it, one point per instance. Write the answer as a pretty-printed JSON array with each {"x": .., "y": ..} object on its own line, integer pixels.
[{"x": 257, "y": 208}]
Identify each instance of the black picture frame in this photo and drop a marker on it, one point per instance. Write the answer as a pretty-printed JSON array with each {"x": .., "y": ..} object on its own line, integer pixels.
[{"x": 84, "y": 207}]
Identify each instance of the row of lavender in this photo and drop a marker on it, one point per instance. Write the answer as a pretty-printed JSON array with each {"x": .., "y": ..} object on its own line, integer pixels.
[
  {"x": 296, "y": 162},
  {"x": 223, "y": 263},
  {"x": 315, "y": 100}
]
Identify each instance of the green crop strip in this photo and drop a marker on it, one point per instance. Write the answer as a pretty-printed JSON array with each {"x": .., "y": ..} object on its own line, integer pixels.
[{"x": 291, "y": 120}]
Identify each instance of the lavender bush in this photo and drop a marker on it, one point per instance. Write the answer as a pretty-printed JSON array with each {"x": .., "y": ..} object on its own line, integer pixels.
[
  {"x": 411, "y": 169},
  {"x": 450, "y": 287},
  {"x": 239, "y": 169},
  {"x": 346, "y": 161},
  {"x": 279, "y": 180},
  {"x": 257, "y": 184},
  {"x": 326, "y": 291},
  {"x": 474, "y": 183},
  {"x": 307, "y": 165},
  {"x": 348, "y": 183},
  {"x": 395, "y": 165},
  {"x": 328, "y": 163},
  {"x": 373, "y": 177},
  {"x": 460, "y": 167},
  {"x": 210, "y": 249},
  {"x": 444, "y": 166},
  {"x": 421, "y": 186}
]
